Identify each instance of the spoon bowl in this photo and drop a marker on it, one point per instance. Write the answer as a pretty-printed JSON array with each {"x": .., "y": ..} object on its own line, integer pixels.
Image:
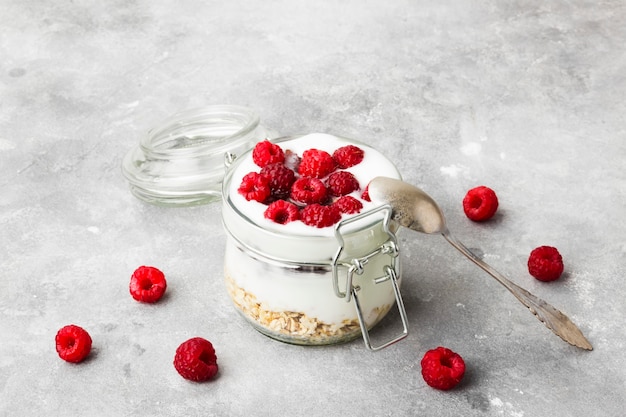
[{"x": 416, "y": 210}]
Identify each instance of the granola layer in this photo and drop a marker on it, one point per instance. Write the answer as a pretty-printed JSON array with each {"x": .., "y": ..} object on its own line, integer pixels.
[{"x": 293, "y": 326}]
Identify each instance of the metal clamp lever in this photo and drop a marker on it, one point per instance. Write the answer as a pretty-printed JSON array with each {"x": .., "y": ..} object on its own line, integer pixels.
[
  {"x": 357, "y": 264},
  {"x": 391, "y": 275}
]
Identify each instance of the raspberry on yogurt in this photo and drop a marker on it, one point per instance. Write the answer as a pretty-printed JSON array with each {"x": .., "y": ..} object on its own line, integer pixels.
[{"x": 316, "y": 169}]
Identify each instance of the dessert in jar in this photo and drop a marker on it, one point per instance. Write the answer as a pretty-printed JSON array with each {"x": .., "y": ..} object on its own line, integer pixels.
[{"x": 309, "y": 259}]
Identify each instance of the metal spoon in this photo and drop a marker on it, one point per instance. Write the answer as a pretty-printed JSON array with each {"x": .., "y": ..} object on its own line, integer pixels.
[{"x": 416, "y": 210}]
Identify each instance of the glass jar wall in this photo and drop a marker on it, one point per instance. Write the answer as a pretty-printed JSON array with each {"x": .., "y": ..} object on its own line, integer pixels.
[{"x": 305, "y": 285}]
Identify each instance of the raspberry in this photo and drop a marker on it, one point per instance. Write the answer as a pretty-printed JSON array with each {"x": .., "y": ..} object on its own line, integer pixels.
[
  {"x": 292, "y": 160},
  {"x": 320, "y": 216},
  {"x": 442, "y": 368},
  {"x": 255, "y": 186},
  {"x": 308, "y": 190},
  {"x": 348, "y": 204},
  {"x": 348, "y": 156},
  {"x": 147, "y": 284},
  {"x": 73, "y": 343},
  {"x": 266, "y": 152},
  {"x": 280, "y": 178},
  {"x": 316, "y": 163},
  {"x": 282, "y": 212},
  {"x": 545, "y": 263},
  {"x": 195, "y": 360},
  {"x": 480, "y": 203},
  {"x": 366, "y": 195},
  {"x": 342, "y": 183}
]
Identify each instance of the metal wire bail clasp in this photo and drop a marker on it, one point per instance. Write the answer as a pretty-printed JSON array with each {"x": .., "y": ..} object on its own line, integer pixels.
[{"x": 357, "y": 265}]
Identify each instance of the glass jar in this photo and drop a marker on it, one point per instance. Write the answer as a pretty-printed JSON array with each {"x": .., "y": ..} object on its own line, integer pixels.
[
  {"x": 309, "y": 286},
  {"x": 181, "y": 162}
]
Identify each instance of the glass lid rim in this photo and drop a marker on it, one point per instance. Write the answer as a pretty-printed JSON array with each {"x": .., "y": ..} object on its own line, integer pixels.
[{"x": 250, "y": 118}]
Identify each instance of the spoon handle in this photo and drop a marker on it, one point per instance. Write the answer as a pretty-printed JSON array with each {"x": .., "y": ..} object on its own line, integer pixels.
[{"x": 554, "y": 320}]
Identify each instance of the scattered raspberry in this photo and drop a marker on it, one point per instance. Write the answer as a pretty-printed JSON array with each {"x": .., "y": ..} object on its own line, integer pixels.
[
  {"x": 316, "y": 164},
  {"x": 342, "y": 183},
  {"x": 545, "y": 263},
  {"x": 255, "y": 186},
  {"x": 266, "y": 152},
  {"x": 320, "y": 216},
  {"x": 282, "y": 212},
  {"x": 348, "y": 205},
  {"x": 73, "y": 343},
  {"x": 280, "y": 178},
  {"x": 308, "y": 190},
  {"x": 195, "y": 360},
  {"x": 147, "y": 284},
  {"x": 442, "y": 368},
  {"x": 480, "y": 203},
  {"x": 348, "y": 156}
]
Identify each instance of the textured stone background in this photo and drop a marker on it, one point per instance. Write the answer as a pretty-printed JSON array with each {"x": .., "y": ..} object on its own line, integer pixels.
[{"x": 526, "y": 97}]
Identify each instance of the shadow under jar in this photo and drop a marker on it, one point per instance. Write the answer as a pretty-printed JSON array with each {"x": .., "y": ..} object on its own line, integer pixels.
[{"x": 313, "y": 286}]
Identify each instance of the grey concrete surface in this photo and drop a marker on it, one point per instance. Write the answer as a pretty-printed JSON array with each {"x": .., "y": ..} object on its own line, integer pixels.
[{"x": 527, "y": 97}]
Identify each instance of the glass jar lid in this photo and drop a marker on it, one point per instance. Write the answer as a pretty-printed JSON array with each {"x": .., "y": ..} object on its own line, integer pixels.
[{"x": 182, "y": 161}]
